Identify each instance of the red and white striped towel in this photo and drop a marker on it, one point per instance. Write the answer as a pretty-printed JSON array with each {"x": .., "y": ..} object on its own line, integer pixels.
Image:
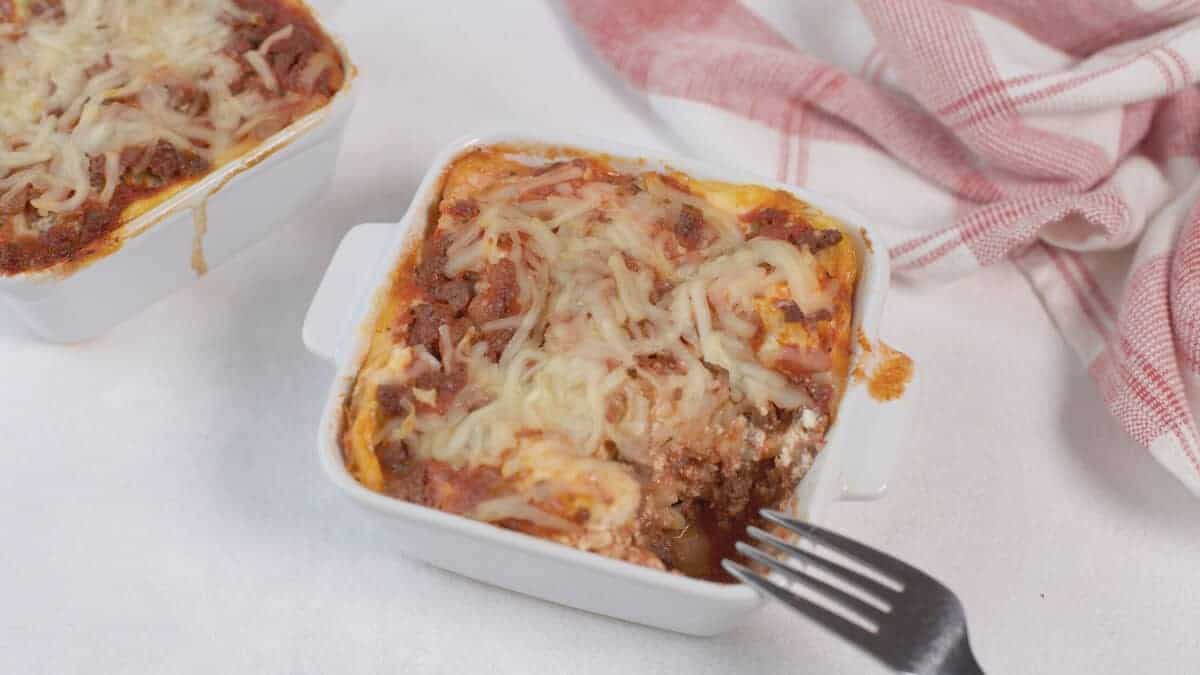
[{"x": 1062, "y": 135}]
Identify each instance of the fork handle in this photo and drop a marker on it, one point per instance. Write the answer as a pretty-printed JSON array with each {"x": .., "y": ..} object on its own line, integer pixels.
[{"x": 960, "y": 660}]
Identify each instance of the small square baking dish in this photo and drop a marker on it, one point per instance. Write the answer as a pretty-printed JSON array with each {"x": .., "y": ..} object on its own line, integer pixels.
[
  {"x": 860, "y": 451},
  {"x": 196, "y": 229}
]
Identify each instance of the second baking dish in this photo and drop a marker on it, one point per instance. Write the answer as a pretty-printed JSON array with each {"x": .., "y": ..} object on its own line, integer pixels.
[{"x": 173, "y": 137}]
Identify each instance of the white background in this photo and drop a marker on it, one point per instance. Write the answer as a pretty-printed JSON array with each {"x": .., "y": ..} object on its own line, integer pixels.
[{"x": 163, "y": 510}]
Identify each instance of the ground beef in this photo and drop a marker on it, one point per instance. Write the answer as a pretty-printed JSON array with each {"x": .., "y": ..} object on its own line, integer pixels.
[
  {"x": 499, "y": 298},
  {"x": 98, "y": 220},
  {"x": 802, "y": 236},
  {"x": 817, "y": 240},
  {"x": 429, "y": 270},
  {"x": 288, "y": 58},
  {"x": 165, "y": 161},
  {"x": 150, "y": 169},
  {"x": 791, "y": 311},
  {"x": 423, "y": 323},
  {"x": 393, "y": 399},
  {"x": 445, "y": 385},
  {"x": 777, "y": 224},
  {"x": 459, "y": 490},
  {"x": 60, "y": 239},
  {"x": 463, "y": 209},
  {"x": 96, "y": 171},
  {"x": 497, "y": 340},
  {"x": 131, "y": 156},
  {"x": 793, "y": 314},
  {"x": 786, "y": 231},
  {"x": 453, "y": 301},
  {"x": 689, "y": 227},
  {"x": 766, "y": 219},
  {"x": 455, "y": 294},
  {"x": 12, "y": 257},
  {"x": 187, "y": 98},
  {"x": 247, "y": 35},
  {"x": 406, "y": 479},
  {"x": 397, "y": 399},
  {"x": 194, "y": 165},
  {"x": 392, "y": 455}
]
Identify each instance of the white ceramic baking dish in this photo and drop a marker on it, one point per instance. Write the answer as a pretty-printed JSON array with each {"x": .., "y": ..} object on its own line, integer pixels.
[
  {"x": 236, "y": 206},
  {"x": 858, "y": 457}
]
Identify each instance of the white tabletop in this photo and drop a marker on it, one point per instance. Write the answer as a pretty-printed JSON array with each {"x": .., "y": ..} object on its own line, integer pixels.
[{"x": 163, "y": 510}]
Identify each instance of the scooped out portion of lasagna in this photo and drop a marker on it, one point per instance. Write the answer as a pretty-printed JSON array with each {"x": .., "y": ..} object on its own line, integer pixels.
[
  {"x": 628, "y": 361},
  {"x": 107, "y": 107}
]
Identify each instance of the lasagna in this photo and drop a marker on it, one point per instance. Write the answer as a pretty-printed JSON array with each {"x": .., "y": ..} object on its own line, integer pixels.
[
  {"x": 629, "y": 361},
  {"x": 107, "y": 107}
]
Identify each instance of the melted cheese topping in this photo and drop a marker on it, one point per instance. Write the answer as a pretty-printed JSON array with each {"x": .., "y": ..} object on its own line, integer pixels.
[
  {"x": 98, "y": 78},
  {"x": 627, "y": 342}
]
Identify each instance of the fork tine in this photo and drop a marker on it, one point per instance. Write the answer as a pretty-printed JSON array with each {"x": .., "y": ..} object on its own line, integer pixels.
[
  {"x": 863, "y": 583},
  {"x": 847, "y": 629},
  {"x": 899, "y": 570},
  {"x": 828, "y": 591}
]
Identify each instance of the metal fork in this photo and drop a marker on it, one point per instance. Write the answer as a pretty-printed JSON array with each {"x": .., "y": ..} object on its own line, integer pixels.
[{"x": 895, "y": 612}]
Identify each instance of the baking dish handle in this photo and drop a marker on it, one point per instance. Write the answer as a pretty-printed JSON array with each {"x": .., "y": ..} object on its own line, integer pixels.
[
  {"x": 340, "y": 294},
  {"x": 872, "y": 450}
]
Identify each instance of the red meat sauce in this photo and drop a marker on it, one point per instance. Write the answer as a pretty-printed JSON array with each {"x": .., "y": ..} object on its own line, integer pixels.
[
  {"x": 287, "y": 57},
  {"x": 777, "y": 224},
  {"x": 457, "y": 490},
  {"x": 456, "y": 305},
  {"x": 146, "y": 171},
  {"x": 689, "y": 228},
  {"x": 436, "y": 484}
]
